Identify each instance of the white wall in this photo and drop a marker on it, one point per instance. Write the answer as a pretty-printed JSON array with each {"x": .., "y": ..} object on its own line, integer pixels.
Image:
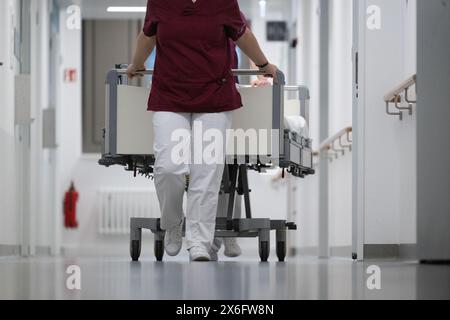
[
  {"x": 388, "y": 192},
  {"x": 408, "y": 134},
  {"x": 389, "y": 145},
  {"x": 276, "y": 10},
  {"x": 22, "y": 172},
  {"x": 83, "y": 169},
  {"x": 308, "y": 74},
  {"x": 41, "y": 167},
  {"x": 9, "y": 226},
  {"x": 340, "y": 117}
]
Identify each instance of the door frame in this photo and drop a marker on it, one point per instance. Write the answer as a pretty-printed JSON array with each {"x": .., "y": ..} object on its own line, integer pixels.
[{"x": 358, "y": 171}]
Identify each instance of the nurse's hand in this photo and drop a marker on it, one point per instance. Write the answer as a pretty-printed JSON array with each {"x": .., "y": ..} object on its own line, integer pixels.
[
  {"x": 271, "y": 71},
  {"x": 261, "y": 81},
  {"x": 134, "y": 70}
]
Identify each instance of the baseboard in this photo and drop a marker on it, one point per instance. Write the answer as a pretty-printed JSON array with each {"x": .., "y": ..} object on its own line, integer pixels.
[
  {"x": 341, "y": 252},
  {"x": 408, "y": 251},
  {"x": 15, "y": 250},
  {"x": 338, "y": 251},
  {"x": 9, "y": 250},
  {"x": 98, "y": 251},
  {"x": 304, "y": 251},
  {"x": 390, "y": 251},
  {"x": 371, "y": 251},
  {"x": 43, "y": 251}
]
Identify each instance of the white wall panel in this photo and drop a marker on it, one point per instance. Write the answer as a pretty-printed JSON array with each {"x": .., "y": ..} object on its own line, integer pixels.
[
  {"x": 9, "y": 218},
  {"x": 387, "y": 57},
  {"x": 340, "y": 117},
  {"x": 308, "y": 74},
  {"x": 84, "y": 170}
]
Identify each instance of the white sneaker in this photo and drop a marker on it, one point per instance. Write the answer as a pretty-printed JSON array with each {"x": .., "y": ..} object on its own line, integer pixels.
[
  {"x": 199, "y": 254},
  {"x": 173, "y": 240},
  {"x": 232, "y": 248}
]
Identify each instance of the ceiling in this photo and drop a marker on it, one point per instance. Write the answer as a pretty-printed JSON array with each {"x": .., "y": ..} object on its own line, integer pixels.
[{"x": 96, "y": 9}]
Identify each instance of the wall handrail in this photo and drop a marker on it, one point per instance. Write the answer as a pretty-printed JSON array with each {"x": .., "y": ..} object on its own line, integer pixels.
[
  {"x": 328, "y": 143},
  {"x": 336, "y": 144},
  {"x": 405, "y": 85},
  {"x": 394, "y": 97}
]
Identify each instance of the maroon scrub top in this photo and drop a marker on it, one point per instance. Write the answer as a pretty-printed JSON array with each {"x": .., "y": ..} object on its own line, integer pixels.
[
  {"x": 192, "y": 69},
  {"x": 234, "y": 56}
]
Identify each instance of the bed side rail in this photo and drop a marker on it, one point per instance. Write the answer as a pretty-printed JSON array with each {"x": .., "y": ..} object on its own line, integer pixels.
[
  {"x": 117, "y": 77},
  {"x": 293, "y": 153}
]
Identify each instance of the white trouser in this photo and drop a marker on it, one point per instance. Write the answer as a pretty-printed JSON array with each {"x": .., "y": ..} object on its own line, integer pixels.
[{"x": 205, "y": 178}]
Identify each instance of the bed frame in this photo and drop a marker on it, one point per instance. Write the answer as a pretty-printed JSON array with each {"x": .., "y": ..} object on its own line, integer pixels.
[{"x": 128, "y": 142}]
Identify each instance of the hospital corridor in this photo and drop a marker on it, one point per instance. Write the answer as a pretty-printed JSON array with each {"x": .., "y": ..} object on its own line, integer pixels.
[{"x": 226, "y": 150}]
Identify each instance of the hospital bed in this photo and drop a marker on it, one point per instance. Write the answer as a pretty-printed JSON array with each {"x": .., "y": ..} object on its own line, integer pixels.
[{"x": 128, "y": 142}]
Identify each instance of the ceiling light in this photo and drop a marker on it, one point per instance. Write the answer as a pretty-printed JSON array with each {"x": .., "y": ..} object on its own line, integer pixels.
[
  {"x": 262, "y": 8},
  {"x": 126, "y": 9}
]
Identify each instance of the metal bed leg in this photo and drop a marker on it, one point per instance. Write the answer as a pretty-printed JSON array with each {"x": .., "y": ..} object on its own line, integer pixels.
[
  {"x": 264, "y": 244},
  {"x": 233, "y": 175},
  {"x": 243, "y": 186},
  {"x": 136, "y": 226},
  {"x": 159, "y": 246},
  {"x": 135, "y": 242},
  {"x": 281, "y": 236}
]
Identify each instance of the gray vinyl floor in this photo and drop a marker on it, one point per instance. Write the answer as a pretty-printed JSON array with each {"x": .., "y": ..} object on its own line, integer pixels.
[{"x": 300, "y": 278}]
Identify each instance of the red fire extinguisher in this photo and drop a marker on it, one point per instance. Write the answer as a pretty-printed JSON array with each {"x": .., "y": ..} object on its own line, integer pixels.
[{"x": 70, "y": 207}]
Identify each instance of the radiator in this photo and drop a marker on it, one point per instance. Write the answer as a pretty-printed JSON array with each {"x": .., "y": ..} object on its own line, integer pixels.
[{"x": 118, "y": 206}]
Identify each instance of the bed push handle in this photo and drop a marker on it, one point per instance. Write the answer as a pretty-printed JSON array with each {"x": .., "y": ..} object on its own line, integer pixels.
[{"x": 121, "y": 69}]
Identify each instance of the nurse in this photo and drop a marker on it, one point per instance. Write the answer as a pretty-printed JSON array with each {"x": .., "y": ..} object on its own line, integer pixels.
[{"x": 193, "y": 89}]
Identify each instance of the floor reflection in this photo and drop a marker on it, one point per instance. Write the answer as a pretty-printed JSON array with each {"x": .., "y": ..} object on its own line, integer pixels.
[{"x": 304, "y": 278}]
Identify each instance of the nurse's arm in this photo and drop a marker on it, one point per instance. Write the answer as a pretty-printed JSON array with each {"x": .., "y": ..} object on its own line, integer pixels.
[
  {"x": 144, "y": 48},
  {"x": 250, "y": 46}
]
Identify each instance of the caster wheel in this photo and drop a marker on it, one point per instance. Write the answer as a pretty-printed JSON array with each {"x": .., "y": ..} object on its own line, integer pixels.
[
  {"x": 159, "y": 250},
  {"x": 135, "y": 249},
  {"x": 281, "y": 251},
  {"x": 264, "y": 251}
]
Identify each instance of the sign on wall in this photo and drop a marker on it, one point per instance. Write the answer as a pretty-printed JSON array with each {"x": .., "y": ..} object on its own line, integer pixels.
[
  {"x": 70, "y": 75},
  {"x": 277, "y": 31}
]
